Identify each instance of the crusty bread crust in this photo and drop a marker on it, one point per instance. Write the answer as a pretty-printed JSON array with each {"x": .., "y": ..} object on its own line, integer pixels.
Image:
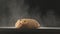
[{"x": 27, "y": 23}]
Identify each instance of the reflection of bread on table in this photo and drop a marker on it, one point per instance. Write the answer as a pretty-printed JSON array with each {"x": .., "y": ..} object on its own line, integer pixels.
[{"x": 27, "y": 23}]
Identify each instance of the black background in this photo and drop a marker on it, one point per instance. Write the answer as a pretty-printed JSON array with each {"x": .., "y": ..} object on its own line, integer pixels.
[
  {"x": 11, "y": 10},
  {"x": 47, "y": 12}
]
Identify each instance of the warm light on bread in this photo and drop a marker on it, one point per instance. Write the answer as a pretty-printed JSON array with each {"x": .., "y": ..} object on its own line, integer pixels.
[{"x": 27, "y": 23}]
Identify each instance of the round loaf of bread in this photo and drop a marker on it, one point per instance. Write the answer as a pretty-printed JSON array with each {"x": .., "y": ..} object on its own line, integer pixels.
[{"x": 27, "y": 23}]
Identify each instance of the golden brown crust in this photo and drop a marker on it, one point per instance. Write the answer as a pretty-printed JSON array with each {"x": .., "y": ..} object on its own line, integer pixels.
[{"x": 27, "y": 23}]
